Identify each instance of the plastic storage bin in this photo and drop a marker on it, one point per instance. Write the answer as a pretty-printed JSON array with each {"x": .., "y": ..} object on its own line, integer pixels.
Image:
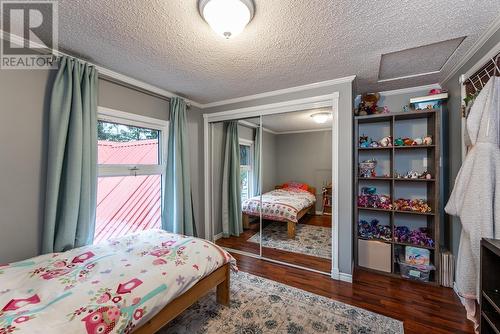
[{"x": 416, "y": 272}]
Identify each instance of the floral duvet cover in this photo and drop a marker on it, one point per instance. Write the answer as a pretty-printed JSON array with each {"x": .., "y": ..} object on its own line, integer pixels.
[
  {"x": 280, "y": 204},
  {"x": 112, "y": 287}
]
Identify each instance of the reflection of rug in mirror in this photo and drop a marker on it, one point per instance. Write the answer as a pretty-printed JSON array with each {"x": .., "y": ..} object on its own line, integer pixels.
[
  {"x": 309, "y": 239},
  {"x": 262, "y": 306}
]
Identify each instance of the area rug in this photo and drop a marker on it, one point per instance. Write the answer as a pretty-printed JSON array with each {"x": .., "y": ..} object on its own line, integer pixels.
[
  {"x": 261, "y": 306},
  {"x": 309, "y": 239}
]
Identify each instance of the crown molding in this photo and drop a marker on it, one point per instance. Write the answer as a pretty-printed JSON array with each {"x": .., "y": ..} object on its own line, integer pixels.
[
  {"x": 472, "y": 51},
  {"x": 480, "y": 63},
  {"x": 410, "y": 89},
  {"x": 104, "y": 72},
  {"x": 280, "y": 92}
]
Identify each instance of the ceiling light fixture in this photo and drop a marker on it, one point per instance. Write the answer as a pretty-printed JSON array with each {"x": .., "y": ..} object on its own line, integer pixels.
[
  {"x": 321, "y": 117},
  {"x": 227, "y": 18}
]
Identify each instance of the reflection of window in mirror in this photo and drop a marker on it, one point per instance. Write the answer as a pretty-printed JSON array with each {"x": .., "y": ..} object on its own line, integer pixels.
[{"x": 246, "y": 168}]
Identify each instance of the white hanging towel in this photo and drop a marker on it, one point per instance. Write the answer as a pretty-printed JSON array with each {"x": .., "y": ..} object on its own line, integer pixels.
[{"x": 476, "y": 195}]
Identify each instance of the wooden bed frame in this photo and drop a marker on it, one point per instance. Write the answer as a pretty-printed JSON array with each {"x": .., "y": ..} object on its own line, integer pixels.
[
  {"x": 291, "y": 226},
  {"x": 219, "y": 278}
]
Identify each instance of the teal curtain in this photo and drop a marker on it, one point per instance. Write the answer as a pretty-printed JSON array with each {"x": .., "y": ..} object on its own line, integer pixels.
[
  {"x": 232, "y": 223},
  {"x": 71, "y": 189},
  {"x": 178, "y": 204},
  {"x": 256, "y": 163}
]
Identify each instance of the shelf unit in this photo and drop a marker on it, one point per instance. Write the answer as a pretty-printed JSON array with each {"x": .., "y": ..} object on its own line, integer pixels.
[
  {"x": 393, "y": 124},
  {"x": 490, "y": 286}
]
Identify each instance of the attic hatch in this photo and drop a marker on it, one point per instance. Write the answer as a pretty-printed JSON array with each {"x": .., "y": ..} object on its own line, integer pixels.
[{"x": 421, "y": 60}]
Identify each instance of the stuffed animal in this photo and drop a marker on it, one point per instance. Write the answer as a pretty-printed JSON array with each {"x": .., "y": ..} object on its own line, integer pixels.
[
  {"x": 368, "y": 105},
  {"x": 386, "y": 141}
]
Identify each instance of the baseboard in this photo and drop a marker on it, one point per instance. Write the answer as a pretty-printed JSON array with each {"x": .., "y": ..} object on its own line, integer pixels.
[
  {"x": 345, "y": 277},
  {"x": 336, "y": 274},
  {"x": 218, "y": 236}
]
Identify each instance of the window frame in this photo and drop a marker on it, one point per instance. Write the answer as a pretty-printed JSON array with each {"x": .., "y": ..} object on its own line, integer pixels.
[
  {"x": 250, "y": 168},
  {"x": 126, "y": 118}
]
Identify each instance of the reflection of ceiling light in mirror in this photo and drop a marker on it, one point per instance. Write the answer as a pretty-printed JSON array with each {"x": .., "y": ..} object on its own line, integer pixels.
[
  {"x": 321, "y": 117},
  {"x": 227, "y": 18}
]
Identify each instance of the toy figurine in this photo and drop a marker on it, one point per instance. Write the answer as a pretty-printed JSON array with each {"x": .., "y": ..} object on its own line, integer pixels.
[
  {"x": 386, "y": 110},
  {"x": 418, "y": 141},
  {"x": 398, "y": 142},
  {"x": 406, "y": 108},
  {"x": 425, "y": 175},
  {"x": 386, "y": 141},
  {"x": 427, "y": 140},
  {"x": 407, "y": 141},
  {"x": 374, "y": 144},
  {"x": 368, "y": 105}
]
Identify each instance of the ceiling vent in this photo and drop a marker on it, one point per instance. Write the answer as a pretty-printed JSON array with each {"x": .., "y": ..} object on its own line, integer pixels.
[{"x": 422, "y": 60}]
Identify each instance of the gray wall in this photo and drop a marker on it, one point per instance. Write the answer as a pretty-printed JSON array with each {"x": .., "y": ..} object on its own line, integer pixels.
[
  {"x": 305, "y": 157},
  {"x": 22, "y": 152},
  {"x": 23, "y": 139},
  {"x": 269, "y": 161},
  {"x": 345, "y": 185},
  {"x": 455, "y": 123}
]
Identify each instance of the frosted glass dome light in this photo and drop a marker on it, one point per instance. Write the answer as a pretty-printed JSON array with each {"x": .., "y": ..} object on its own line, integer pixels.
[
  {"x": 227, "y": 18},
  {"x": 321, "y": 117}
]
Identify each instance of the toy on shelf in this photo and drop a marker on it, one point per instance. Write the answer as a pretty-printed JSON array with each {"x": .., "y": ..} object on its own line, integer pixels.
[
  {"x": 367, "y": 168},
  {"x": 418, "y": 256},
  {"x": 368, "y": 105},
  {"x": 385, "y": 142},
  {"x": 374, "y": 230},
  {"x": 413, "y": 175},
  {"x": 413, "y": 205},
  {"x": 370, "y": 199},
  {"x": 418, "y": 237},
  {"x": 418, "y": 141},
  {"x": 363, "y": 141}
]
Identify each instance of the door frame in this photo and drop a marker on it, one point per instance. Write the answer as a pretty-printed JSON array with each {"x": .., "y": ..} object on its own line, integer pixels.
[{"x": 322, "y": 101}]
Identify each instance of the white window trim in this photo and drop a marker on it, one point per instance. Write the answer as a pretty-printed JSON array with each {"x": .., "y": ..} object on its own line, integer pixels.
[
  {"x": 117, "y": 116},
  {"x": 247, "y": 142}
]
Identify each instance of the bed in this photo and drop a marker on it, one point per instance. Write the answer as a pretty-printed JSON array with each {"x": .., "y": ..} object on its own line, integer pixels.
[
  {"x": 287, "y": 203},
  {"x": 136, "y": 283}
]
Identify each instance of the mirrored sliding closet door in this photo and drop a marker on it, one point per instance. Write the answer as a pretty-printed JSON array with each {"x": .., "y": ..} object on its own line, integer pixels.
[
  {"x": 297, "y": 188},
  {"x": 235, "y": 183}
]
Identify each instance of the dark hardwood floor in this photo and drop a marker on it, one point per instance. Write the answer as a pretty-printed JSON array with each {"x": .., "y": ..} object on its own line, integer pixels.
[
  {"x": 422, "y": 308},
  {"x": 241, "y": 243}
]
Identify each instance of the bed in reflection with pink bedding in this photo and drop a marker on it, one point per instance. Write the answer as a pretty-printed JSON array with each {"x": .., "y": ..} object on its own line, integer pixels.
[{"x": 286, "y": 204}]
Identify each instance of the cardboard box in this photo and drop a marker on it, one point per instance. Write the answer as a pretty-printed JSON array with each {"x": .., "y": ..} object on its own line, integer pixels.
[{"x": 374, "y": 255}]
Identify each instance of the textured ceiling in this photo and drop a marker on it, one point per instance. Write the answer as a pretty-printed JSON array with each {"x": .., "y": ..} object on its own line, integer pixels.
[{"x": 288, "y": 43}]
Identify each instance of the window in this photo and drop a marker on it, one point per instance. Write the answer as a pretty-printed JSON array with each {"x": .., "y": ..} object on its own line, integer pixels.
[
  {"x": 246, "y": 179},
  {"x": 131, "y": 165}
]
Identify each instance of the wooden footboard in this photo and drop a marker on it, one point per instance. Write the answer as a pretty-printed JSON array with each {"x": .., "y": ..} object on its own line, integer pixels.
[
  {"x": 246, "y": 220},
  {"x": 291, "y": 226},
  {"x": 219, "y": 278}
]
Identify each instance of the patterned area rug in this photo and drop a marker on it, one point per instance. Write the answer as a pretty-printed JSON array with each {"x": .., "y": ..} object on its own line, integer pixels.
[
  {"x": 261, "y": 306},
  {"x": 309, "y": 239}
]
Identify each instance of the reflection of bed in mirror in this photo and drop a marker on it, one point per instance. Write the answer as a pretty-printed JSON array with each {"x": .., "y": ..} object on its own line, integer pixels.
[{"x": 287, "y": 203}]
